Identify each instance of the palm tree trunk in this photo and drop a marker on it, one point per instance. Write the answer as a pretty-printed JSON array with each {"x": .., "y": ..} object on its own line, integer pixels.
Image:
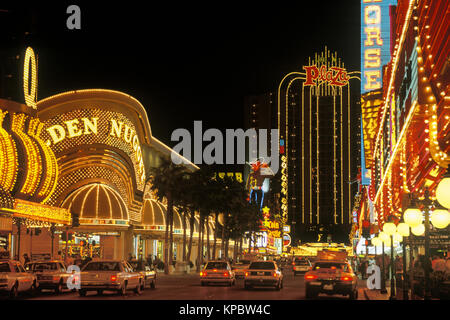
[
  {"x": 184, "y": 235},
  {"x": 223, "y": 237},
  {"x": 191, "y": 235},
  {"x": 200, "y": 245},
  {"x": 227, "y": 243},
  {"x": 170, "y": 232},
  {"x": 235, "y": 250},
  {"x": 240, "y": 245},
  {"x": 166, "y": 241},
  {"x": 208, "y": 247},
  {"x": 215, "y": 237}
]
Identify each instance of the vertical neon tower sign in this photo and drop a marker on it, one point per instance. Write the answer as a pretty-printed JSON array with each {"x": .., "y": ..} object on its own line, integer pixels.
[{"x": 375, "y": 52}]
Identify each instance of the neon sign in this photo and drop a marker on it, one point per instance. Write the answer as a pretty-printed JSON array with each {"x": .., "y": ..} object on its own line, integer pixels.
[
  {"x": 89, "y": 126},
  {"x": 334, "y": 76},
  {"x": 375, "y": 41}
]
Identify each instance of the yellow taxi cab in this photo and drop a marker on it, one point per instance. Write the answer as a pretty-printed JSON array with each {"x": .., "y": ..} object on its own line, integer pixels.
[
  {"x": 263, "y": 274},
  {"x": 331, "y": 277},
  {"x": 217, "y": 272}
]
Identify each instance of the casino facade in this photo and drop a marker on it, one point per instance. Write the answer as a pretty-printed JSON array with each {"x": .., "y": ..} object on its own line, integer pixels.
[{"x": 84, "y": 156}]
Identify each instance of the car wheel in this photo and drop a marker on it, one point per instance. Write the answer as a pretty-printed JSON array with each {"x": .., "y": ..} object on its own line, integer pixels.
[
  {"x": 123, "y": 289},
  {"x": 14, "y": 291},
  {"x": 137, "y": 290},
  {"x": 153, "y": 284},
  {"x": 353, "y": 295},
  {"x": 59, "y": 287},
  {"x": 203, "y": 284},
  {"x": 34, "y": 289},
  {"x": 82, "y": 293},
  {"x": 310, "y": 294}
]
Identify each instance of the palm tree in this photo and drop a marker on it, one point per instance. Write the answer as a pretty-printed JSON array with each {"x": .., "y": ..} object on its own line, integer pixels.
[{"x": 165, "y": 181}]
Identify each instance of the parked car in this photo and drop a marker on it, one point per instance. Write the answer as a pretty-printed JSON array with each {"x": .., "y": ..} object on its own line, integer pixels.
[
  {"x": 14, "y": 278},
  {"x": 110, "y": 275},
  {"x": 217, "y": 272},
  {"x": 331, "y": 277},
  {"x": 262, "y": 274},
  {"x": 240, "y": 267},
  {"x": 301, "y": 265},
  {"x": 50, "y": 274},
  {"x": 147, "y": 271}
]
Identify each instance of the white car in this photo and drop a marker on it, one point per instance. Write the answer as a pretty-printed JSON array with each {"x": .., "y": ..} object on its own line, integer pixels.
[
  {"x": 217, "y": 272},
  {"x": 109, "y": 275},
  {"x": 14, "y": 278},
  {"x": 50, "y": 274},
  {"x": 301, "y": 266},
  {"x": 263, "y": 274},
  {"x": 240, "y": 267}
]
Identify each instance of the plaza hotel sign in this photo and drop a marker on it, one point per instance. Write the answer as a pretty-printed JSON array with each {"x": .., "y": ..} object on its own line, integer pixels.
[{"x": 121, "y": 130}]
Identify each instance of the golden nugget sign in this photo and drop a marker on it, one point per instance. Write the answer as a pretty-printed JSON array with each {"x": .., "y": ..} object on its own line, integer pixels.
[
  {"x": 334, "y": 76},
  {"x": 89, "y": 126}
]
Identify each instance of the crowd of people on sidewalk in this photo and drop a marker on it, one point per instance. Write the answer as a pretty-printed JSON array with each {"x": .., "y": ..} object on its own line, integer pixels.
[{"x": 438, "y": 268}]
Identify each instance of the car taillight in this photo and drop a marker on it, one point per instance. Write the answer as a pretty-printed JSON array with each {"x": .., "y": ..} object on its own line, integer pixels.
[
  {"x": 202, "y": 273},
  {"x": 346, "y": 278},
  {"x": 274, "y": 274},
  {"x": 226, "y": 274},
  {"x": 293, "y": 263},
  {"x": 113, "y": 278},
  {"x": 310, "y": 277},
  {"x": 246, "y": 274},
  {"x": 55, "y": 278}
]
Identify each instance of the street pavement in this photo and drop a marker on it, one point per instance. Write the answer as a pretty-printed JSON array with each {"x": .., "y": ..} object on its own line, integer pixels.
[{"x": 187, "y": 287}]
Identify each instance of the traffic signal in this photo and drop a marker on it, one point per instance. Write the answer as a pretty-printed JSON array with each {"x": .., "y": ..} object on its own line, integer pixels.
[{"x": 75, "y": 220}]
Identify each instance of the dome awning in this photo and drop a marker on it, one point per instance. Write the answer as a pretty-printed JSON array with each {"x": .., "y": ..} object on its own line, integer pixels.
[{"x": 95, "y": 202}]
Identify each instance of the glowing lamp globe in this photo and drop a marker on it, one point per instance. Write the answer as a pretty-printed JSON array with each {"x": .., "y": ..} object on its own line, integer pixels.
[
  {"x": 413, "y": 217},
  {"x": 398, "y": 237},
  {"x": 387, "y": 242},
  {"x": 383, "y": 236},
  {"x": 440, "y": 218},
  {"x": 403, "y": 229},
  {"x": 389, "y": 228},
  {"x": 418, "y": 230},
  {"x": 376, "y": 241},
  {"x": 443, "y": 192}
]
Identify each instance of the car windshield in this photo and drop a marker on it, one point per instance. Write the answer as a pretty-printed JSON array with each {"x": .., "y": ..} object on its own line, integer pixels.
[
  {"x": 263, "y": 265},
  {"x": 102, "y": 266},
  {"x": 4, "y": 267},
  {"x": 244, "y": 262},
  {"x": 328, "y": 265},
  {"x": 137, "y": 265},
  {"x": 44, "y": 266},
  {"x": 216, "y": 265},
  {"x": 301, "y": 262}
]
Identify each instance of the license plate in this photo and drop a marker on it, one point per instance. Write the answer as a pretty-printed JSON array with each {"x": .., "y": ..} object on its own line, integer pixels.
[
  {"x": 315, "y": 283},
  {"x": 260, "y": 273},
  {"x": 327, "y": 287}
]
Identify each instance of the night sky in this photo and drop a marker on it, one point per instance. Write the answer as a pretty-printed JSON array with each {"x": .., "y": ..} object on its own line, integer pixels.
[{"x": 184, "y": 62}]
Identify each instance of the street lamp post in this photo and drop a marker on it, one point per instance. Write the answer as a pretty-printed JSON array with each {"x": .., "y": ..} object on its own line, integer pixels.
[
  {"x": 392, "y": 296},
  {"x": 383, "y": 274},
  {"x": 427, "y": 203},
  {"x": 390, "y": 228}
]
